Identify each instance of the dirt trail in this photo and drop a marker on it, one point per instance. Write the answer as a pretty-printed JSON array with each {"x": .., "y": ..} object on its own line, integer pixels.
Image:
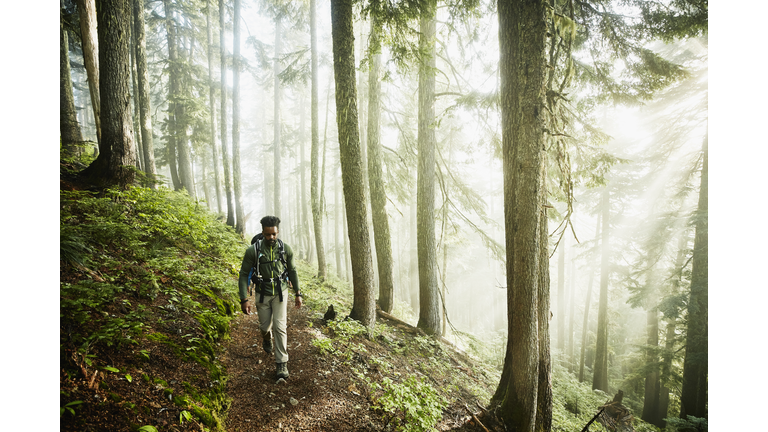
[{"x": 318, "y": 395}]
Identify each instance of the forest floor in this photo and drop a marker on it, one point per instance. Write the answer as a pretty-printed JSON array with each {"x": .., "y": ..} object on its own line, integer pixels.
[{"x": 322, "y": 393}]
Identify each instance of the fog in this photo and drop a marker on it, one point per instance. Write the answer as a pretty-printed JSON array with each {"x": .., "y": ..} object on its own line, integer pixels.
[{"x": 653, "y": 181}]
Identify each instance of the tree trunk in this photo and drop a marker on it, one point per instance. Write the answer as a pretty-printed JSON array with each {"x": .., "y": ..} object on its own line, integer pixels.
[
  {"x": 337, "y": 224},
  {"x": 560, "y": 318},
  {"x": 669, "y": 345},
  {"x": 522, "y": 32},
  {"x": 572, "y": 311},
  {"x": 693, "y": 400},
  {"x": 429, "y": 297},
  {"x": 652, "y": 382},
  {"x": 89, "y": 35},
  {"x": 116, "y": 157},
  {"x": 145, "y": 120},
  {"x": 135, "y": 83},
  {"x": 276, "y": 144},
  {"x": 378, "y": 193},
  {"x": 668, "y": 354},
  {"x": 212, "y": 101},
  {"x": 240, "y": 215},
  {"x": 600, "y": 375},
  {"x": 587, "y": 302},
  {"x": 305, "y": 228},
  {"x": 224, "y": 149},
  {"x": 414, "y": 261},
  {"x": 317, "y": 208},
  {"x": 364, "y": 303},
  {"x": 179, "y": 113},
  {"x": 69, "y": 128},
  {"x": 544, "y": 395}
]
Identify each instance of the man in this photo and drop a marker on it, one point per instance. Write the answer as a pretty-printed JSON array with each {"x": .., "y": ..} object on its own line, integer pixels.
[{"x": 274, "y": 272}]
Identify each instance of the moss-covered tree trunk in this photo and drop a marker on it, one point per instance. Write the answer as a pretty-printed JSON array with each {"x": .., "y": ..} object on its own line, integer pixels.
[
  {"x": 142, "y": 76},
  {"x": 69, "y": 128},
  {"x": 693, "y": 399},
  {"x": 544, "y": 395},
  {"x": 378, "y": 193},
  {"x": 317, "y": 208},
  {"x": 224, "y": 149},
  {"x": 429, "y": 297},
  {"x": 236, "y": 175},
  {"x": 364, "y": 303},
  {"x": 522, "y": 32},
  {"x": 600, "y": 370},
  {"x": 116, "y": 151}
]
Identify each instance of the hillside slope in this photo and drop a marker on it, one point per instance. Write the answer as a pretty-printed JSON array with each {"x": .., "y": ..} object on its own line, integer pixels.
[{"x": 151, "y": 338}]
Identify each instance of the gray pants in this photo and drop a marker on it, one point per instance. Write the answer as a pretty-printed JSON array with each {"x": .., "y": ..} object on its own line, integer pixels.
[{"x": 273, "y": 316}]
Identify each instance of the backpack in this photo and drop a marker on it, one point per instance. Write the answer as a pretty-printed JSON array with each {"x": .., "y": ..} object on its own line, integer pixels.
[{"x": 256, "y": 277}]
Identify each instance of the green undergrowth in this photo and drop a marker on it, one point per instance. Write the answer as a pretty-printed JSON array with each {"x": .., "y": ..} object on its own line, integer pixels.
[
  {"x": 147, "y": 291},
  {"x": 411, "y": 381},
  {"x": 414, "y": 381}
]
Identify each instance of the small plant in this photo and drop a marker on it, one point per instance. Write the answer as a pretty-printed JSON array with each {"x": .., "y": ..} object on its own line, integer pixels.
[
  {"x": 185, "y": 415},
  {"x": 325, "y": 345},
  {"x": 414, "y": 405},
  {"x": 68, "y": 407}
]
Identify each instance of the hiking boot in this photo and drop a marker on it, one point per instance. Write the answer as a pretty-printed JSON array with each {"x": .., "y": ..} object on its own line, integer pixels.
[
  {"x": 282, "y": 370},
  {"x": 267, "y": 342}
]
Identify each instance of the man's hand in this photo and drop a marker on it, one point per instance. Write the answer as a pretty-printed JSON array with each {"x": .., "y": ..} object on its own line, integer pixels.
[
  {"x": 245, "y": 306},
  {"x": 299, "y": 301}
]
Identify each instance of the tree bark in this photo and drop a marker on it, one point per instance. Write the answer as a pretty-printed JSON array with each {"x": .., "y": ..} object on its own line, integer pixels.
[
  {"x": 544, "y": 395},
  {"x": 693, "y": 399},
  {"x": 212, "y": 102},
  {"x": 89, "y": 35},
  {"x": 317, "y": 209},
  {"x": 522, "y": 33},
  {"x": 224, "y": 149},
  {"x": 69, "y": 128},
  {"x": 600, "y": 374},
  {"x": 364, "y": 303},
  {"x": 378, "y": 193},
  {"x": 429, "y": 297},
  {"x": 145, "y": 120},
  {"x": 239, "y": 214},
  {"x": 116, "y": 156}
]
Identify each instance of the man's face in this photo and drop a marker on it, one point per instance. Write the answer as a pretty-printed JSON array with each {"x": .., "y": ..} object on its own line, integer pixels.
[{"x": 270, "y": 235}]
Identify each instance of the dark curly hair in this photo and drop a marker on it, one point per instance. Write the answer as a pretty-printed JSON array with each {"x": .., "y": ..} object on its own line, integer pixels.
[{"x": 270, "y": 221}]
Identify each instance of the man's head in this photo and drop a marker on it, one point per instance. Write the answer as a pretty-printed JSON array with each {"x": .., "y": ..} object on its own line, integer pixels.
[{"x": 270, "y": 227}]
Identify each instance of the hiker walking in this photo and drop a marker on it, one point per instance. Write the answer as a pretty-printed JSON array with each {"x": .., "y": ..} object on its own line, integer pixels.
[{"x": 268, "y": 262}]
